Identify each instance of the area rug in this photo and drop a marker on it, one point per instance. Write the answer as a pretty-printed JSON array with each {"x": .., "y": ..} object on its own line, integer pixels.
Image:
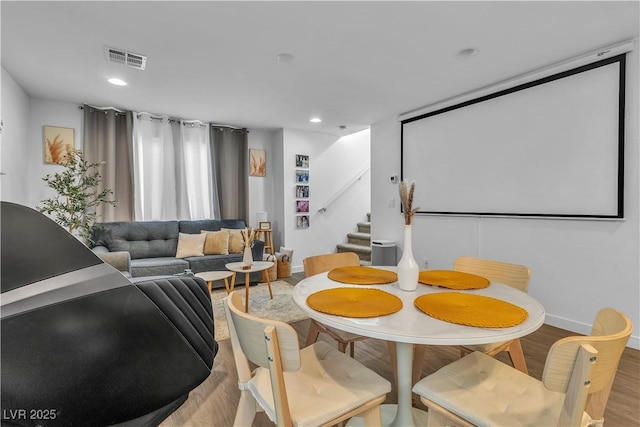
[{"x": 281, "y": 307}]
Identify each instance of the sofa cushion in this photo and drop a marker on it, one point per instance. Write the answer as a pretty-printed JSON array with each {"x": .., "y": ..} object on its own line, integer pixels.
[
  {"x": 190, "y": 245},
  {"x": 121, "y": 261},
  {"x": 194, "y": 226},
  {"x": 142, "y": 239},
  {"x": 162, "y": 266},
  {"x": 236, "y": 244},
  {"x": 212, "y": 262},
  {"x": 216, "y": 242}
]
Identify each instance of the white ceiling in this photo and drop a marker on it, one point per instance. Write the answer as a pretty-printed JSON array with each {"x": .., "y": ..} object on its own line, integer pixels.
[{"x": 354, "y": 63}]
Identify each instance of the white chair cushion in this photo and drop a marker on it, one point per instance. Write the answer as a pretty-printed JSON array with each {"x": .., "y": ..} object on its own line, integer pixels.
[
  {"x": 328, "y": 384},
  {"x": 485, "y": 391}
]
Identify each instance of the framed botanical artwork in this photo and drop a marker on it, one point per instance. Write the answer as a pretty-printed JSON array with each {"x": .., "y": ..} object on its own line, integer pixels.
[
  {"x": 265, "y": 225},
  {"x": 302, "y": 176},
  {"x": 57, "y": 142},
  {"x": 302, "y": 221},
  {"x": 302, "y": 161},
  {"x": 257, "y": 162}
]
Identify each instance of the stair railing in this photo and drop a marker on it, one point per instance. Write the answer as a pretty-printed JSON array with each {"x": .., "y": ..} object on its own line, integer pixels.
[{"x": 339, "y": 193}]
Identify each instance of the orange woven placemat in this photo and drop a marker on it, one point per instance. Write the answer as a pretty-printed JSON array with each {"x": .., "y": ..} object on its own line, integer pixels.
[
  {"x": 471, "y": 310},
  {"x": 359, "y": 275},
  {"x": 452, "y": 279},
  {"x": 354, "y": 302}
]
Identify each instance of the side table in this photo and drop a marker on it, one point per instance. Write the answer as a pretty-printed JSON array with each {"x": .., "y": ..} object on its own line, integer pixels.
[
  {"x": 210, "y": 276},
  {"x": 236, "y": 267}
]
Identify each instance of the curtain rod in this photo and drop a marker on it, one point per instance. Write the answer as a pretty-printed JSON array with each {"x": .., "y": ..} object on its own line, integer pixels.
[
  {"x": 161, "y": 118},
  {"x": 102, "y": 108},
  {"x": 194, "y": 123},
  {"x": 233, "y": 128},
  {"x": 191, "y": 123},
  {"x": 105, "y": 110}
]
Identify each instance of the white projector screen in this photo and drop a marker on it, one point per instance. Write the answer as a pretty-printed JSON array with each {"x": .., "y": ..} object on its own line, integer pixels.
[{"x": 553, "y": 147}]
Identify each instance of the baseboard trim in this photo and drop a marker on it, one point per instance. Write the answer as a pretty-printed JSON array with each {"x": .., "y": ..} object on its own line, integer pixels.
[{"x": 583, "y": 328}]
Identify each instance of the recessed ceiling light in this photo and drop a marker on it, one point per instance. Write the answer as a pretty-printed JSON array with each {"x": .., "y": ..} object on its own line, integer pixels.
[
  {"x": 284, "y": 57},
  {"x": 117, "y": 82},
  {"x": 315, "y": 120},
  {"x": 467, "y": 53}
]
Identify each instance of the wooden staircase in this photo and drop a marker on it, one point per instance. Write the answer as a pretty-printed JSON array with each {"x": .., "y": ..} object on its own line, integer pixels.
[{"x": 359, "y": 242}]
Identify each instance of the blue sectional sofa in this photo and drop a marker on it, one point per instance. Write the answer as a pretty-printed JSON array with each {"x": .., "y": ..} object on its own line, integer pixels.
[{"x": 152, "y": 246}]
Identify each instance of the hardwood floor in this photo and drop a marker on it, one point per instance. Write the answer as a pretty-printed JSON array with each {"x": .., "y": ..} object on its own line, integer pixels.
[{"x": 214, "y": 402}]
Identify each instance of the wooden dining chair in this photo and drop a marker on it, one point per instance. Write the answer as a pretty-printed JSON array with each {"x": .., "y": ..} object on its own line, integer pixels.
[
  {"x": 319, "y": 264},
  {"x": 514, "y": 275},
  {"x": 576, "y": 382},
  {"x": 315, "y": 386}
]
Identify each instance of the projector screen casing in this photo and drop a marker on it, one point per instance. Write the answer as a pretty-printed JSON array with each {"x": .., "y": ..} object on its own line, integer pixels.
[{"x": 552, "y": 147}]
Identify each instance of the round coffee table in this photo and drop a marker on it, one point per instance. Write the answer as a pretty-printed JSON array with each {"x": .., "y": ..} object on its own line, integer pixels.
[
  {"x": 210, "y": 276},
  {"x": 237, "y": 267}
]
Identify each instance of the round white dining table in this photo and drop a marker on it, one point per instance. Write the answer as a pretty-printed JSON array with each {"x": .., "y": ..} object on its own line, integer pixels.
[{"x": 411, "y": 326}]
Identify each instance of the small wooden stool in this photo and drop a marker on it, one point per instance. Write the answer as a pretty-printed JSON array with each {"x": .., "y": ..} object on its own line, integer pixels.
[{"x": 268, "y": 239}]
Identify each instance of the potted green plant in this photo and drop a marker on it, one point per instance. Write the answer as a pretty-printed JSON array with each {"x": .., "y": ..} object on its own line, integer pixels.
[{"x": 74, "y": 206}]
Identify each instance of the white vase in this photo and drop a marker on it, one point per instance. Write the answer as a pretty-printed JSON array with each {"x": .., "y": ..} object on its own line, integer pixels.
[
  {"x": 247, "y": 257},
  {"x": 408, "y": 269}
]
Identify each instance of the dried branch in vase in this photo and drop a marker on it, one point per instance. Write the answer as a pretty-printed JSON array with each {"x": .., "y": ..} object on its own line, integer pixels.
[
  {"x": 248, "y": 236},
  {"x": 406, "y": 198}
]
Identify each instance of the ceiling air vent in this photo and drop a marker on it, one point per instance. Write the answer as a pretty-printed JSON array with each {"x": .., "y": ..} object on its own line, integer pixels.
[{"x": 129, "y": 59}]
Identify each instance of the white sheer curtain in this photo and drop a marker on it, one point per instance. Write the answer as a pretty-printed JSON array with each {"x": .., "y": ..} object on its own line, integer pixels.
[
  {"x": 154, "y": 170},
  {"x": 195, "y": 191},
  {"x": 172, "y": 171}
]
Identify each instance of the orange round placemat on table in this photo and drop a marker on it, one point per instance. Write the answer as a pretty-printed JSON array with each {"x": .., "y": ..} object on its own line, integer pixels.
[
  {"x": 359, "y": 275},
  {"x": 354, "y": 302},
  {"x": 452, "y": 279},
  {"x": 471, "y": 310}
]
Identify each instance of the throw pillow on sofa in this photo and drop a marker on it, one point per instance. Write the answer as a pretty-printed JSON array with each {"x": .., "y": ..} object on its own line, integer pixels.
[
  {"x": 236, "y": 244},
  {"x": 216, "y": 242},
  {"x": 190, "y": 245}
]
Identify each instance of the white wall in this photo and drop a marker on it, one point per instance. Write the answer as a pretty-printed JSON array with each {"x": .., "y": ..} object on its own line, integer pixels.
[
  {"x": 22, "y": 145},
  {"x": 262, "y": 189},
  {"x": 333, "y": 162},
  {"x": 14, "y": 155},
  {"x": 53, "y": 113},
  {"x": 578, "y": 266}
]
